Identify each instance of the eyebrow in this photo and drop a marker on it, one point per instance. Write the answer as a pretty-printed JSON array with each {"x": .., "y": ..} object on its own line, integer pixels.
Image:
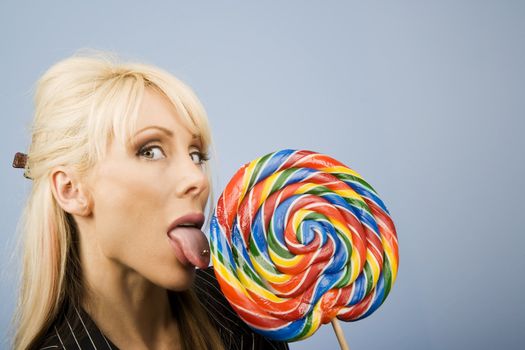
[{"x": 163, "y": 129}]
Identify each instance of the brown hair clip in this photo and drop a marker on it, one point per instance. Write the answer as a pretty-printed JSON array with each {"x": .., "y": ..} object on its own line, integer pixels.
[{"x": 20, "y": 161}]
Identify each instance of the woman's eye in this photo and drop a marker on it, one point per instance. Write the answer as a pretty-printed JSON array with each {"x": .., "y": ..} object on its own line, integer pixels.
[
  {"x": 149, "y": 152},
  {"x": 199, "y": 157}
]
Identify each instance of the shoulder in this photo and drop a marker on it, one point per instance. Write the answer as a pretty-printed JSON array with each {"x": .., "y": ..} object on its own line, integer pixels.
[
  {"x": 73, "y": 329},
  {"x": 232, "y": 328}
]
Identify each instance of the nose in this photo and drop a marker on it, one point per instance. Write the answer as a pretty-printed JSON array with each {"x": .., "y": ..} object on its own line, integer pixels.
[{"x": 190, "y": 179}]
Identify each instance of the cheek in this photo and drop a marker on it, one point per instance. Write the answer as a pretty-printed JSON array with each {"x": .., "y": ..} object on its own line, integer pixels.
[
  {"x": 128, "y": 216},
  {"x": 131, "y": 217},
  {"x": 131, "y": 231}
]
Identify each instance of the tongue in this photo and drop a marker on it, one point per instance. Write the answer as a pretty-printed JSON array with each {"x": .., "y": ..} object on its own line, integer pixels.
[{"x": 189, "y": 242}]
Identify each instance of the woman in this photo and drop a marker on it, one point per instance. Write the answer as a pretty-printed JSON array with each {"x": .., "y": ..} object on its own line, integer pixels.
[{"x": 112, "y": 226}]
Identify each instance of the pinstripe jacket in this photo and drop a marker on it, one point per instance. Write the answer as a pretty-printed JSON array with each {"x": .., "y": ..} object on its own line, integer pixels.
[{"x": 74, "y": 328}]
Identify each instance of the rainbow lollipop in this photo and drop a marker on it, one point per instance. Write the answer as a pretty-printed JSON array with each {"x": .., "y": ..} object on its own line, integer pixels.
[{"x": 297, "y": 239}]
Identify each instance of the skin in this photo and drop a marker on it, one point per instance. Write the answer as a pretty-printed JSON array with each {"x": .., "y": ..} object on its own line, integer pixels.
[{"x": 123, "y": 210}]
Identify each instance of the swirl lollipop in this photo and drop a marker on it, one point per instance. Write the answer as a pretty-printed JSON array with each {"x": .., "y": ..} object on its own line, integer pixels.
[{"x": 298, "y": 239}]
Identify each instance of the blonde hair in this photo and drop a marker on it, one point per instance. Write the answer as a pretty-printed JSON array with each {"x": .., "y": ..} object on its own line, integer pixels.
[{"x": 81, "y": 103}]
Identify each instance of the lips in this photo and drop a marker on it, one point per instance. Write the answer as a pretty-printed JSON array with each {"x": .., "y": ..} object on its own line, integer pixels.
[
  {"x": 194, "y": 218},
  {"x": 188, "y": 241}
]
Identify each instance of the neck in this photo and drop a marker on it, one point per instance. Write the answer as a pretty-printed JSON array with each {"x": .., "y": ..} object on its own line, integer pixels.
[{"x": 128, "y": 308}]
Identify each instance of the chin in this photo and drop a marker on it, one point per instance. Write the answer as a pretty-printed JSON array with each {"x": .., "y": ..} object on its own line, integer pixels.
[{"x": 182, "y": 280}]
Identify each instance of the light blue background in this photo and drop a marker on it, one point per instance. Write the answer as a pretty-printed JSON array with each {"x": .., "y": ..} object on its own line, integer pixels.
[{"x": 424, "y": 98}]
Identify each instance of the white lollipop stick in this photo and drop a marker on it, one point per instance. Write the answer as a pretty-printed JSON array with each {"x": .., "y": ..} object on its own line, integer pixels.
[{"x": 339, "y": 333}]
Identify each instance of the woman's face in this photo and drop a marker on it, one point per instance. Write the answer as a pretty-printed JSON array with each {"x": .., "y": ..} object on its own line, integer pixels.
[{"x": 140, "y": 188}]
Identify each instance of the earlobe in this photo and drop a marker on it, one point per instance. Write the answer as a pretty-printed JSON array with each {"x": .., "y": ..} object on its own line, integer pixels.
[{"x": 69, "y": 192}]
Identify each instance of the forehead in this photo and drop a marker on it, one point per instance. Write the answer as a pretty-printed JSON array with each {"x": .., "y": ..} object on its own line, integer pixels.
[{"x": 156, "y": 108}]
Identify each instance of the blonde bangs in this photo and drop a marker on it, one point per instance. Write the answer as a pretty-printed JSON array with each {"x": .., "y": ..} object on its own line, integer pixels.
[
  {"x": 114, "y": 112},
  {"x": 118, "y": 100}
]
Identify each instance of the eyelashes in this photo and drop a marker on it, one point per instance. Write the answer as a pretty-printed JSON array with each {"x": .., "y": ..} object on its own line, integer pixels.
[
  {"x": 201, "y": 157},
  {"x": 142, "y": 151}
]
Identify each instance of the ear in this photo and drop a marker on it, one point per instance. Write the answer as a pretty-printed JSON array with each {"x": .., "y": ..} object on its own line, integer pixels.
[{"x": 69, "y": 192}]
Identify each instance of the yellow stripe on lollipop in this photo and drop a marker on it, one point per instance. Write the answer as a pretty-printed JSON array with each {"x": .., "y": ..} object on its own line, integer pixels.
[
  {"x": 342, "y": 227},
  {"x": 244, "y": 283},
  {"x": 391, "y": 257},
  {"x": 345, "y": 193},
  {"x": 341, "y": 169},
  {"x": 268, "y": 275},
  {"x": 316, "y": 320},
  {"x": 299, "y": 216},
  {"x": 269, "y": 182},
  {"x": 354, "y": 257},
  {"x": 305, "y": 188},
  {"x": 374, "y": 266},
  {"x": 278, "y": 260},
  {"x": 255, "y": 288},
  {"x": 349, "y": 193},
  {"x": 228, "y": 276},
  {"x": 248, "y": 173}
]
